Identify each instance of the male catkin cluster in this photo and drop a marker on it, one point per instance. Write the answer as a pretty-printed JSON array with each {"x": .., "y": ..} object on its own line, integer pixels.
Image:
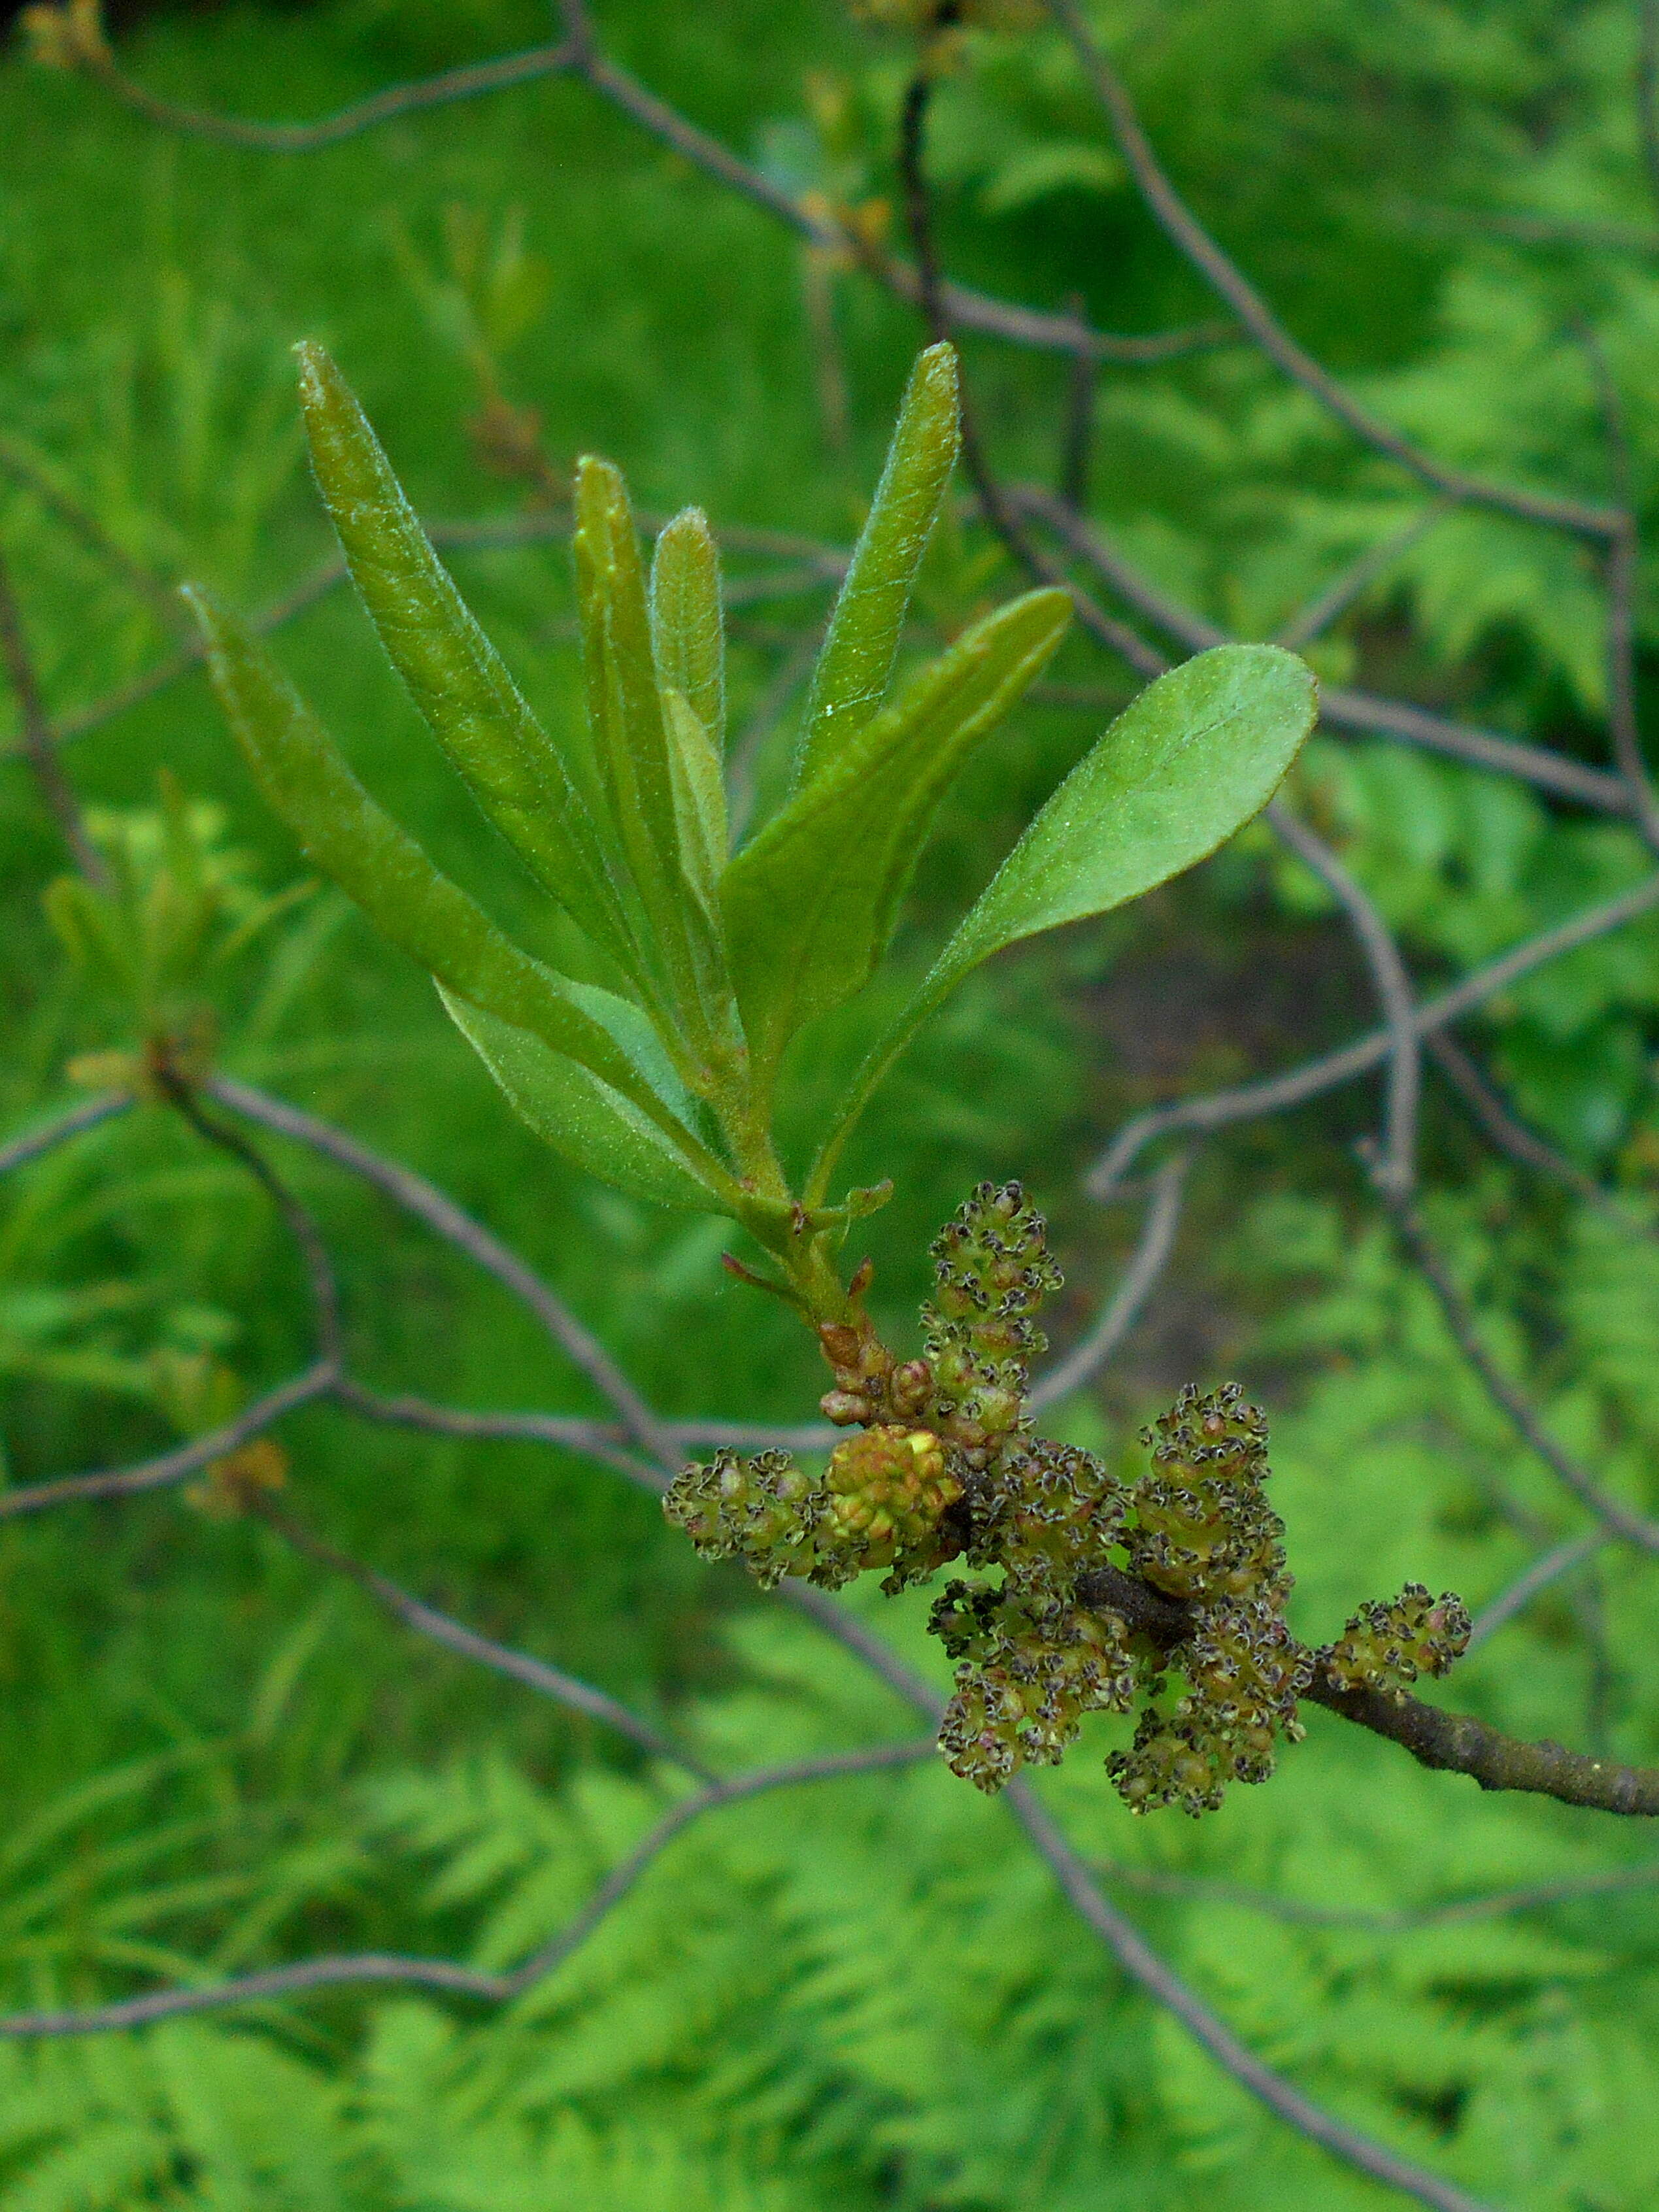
[
  {"x": 1162, "y": 1596},
  {"x": 1387, "y": 1645}
]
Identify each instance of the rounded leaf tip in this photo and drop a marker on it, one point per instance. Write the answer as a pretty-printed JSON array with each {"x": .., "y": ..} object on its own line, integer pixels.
[{"x": 316, "y": 371}]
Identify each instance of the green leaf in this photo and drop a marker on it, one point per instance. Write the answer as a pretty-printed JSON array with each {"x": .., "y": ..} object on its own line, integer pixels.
[
  {"x": 580, "y": 1117},
  {"x": 626, "y": 712},
  {"x": 699, "y": 799},
  {"x": 454, "y": 674},
  {"x": 309, "y": 783},
  {"x": 688, "y": 633},
  {"x": 94, "y": 932},
  {"x": 1196, "y": 756},
  {"x": 810, "y": 902},
  {"x": 856, "y": 664}
]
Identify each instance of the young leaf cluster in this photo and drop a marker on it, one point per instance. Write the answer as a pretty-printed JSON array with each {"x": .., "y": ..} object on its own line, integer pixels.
[
  {"x": 177, "y": 907},
  {"x": 664, "y": 1079}
]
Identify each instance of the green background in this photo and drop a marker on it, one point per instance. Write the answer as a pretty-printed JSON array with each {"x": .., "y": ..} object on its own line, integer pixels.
[{"x": 868, "y": 1994}]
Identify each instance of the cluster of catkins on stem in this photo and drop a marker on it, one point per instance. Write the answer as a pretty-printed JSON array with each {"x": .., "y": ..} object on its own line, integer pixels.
[{"x": 1105, "y": 1590}]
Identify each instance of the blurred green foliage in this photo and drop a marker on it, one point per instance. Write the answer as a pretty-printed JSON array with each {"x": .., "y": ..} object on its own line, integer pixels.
[{"x": 863, "y": 1993}]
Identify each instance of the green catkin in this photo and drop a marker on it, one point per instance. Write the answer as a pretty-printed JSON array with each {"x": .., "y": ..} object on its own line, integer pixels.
[
  {"x": 1203, "y": 1533},
  {"x": 992, "y": 1274},
  {"x": 761, "y": 1510},
  {"x": 940, "y": 1463},
  {"x": 1387, "y": 1645}
]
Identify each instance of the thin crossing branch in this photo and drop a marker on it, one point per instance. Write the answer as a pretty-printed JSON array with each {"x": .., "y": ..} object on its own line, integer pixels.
[
  {"x": 1622, "y": 566},
  {"x": 574, "y": 1433},
  {"x": 1647, "y": 90},
  {"x": 1453, "y": 1911},
  {"x": 933, "y": 300},
  {"x": 1159, "y": 1980},
  {"x": 814, "y": 561},
  {"x": 33, "y": 1143},
  {"x": 1134, "y": 1286},
  {"x": 371, "y": 1969},
  {"x": 1393, "y": 985},
  {"x": 1326, "y": 606},
  {"x": 320, "y": 1268},
  {"x": 426, "y": 1620},
  {"x": 1505, "y": 1394},
  {"x": 1340, "y": 706},
  {"x": 168, "y": 1467},
  {"x": 1545, "y": 1571},
  {"x": 441, "y": 1214},
  {"x": 1138, "y": 1958},
  {"x": 157, "y": 594},
  {"x": 1182, "y": 228},
  {"x": 565, "y": 1432},
  {"x": 1505, "y": 1128},
  {"x": 1276, "y": 1094},
  {"x": 441, "y": 91},
  {"x": 577, "y": 55}
]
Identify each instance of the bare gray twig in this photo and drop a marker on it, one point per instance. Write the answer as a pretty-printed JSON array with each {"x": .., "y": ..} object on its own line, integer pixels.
[
  {"x": 1647, "y": 90},
  {"x": 1621, "y": 565},
  {"x": 1547, "y": 1569},
  {"x": 296, "y": 1218},
  {"x": 1510, "y": 1135},
  {"x": 441, "y": 1214},
  {"x": 813, "y": 562},
  {"x": 1188, "y": 234},
  {"x": 792, "y": 671},
  {"x": 441, "y": 91},
  {"x": 1403, "y": 1921},
  {"x": 1143, "y": 1965},
  {"x": 312, "y": 1383},
  {"x": 1526, "y": 225},
  {"x": 1133, "y": 1952},
  {"x": 156, "y": 592},
  {"x": 46, "y": 1138},
  {"x": 1340, "y": 706},
  {"x": 1506, "y": 1394},
  {"x": 1398, "y": 1165},
  {"x": 579, "y": 55},
  {"x": 1133, "y": 1287},
  {"x": 1220, "y": 1109},
  {"x": 426, "y": 1620},
  {"x": 1078, "y": 434},
  {"x": 605, "y": 1441},
  {"x": 1375, "y": 562},
  {"x": 933, "y": 298},
  {"x": 378, "y": 1969}
]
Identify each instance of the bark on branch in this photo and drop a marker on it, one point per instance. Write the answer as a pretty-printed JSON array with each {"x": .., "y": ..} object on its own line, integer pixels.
[{"x": 1452, "y": 1743}]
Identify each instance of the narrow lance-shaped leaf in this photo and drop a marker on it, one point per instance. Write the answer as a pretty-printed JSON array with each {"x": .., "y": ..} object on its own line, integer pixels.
[
  {"x": 856, "y": 665},
  {"x": 97, "y": 933},
  {"x": 699, "y": 800},
  {"x": 688, "y": 631},
  {"x": 351, "y": 838},
  {"x": 1197, "y": 755},
  {"x": 454, "y": 674},
  {"x": 578, "y": 1116},
  {"x": 810, "y": 903},
  {"x": 625, "y": 706}
]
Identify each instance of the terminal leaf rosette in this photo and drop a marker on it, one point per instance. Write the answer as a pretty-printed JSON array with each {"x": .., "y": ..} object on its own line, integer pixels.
[{"x": 651, "y": 1057}]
